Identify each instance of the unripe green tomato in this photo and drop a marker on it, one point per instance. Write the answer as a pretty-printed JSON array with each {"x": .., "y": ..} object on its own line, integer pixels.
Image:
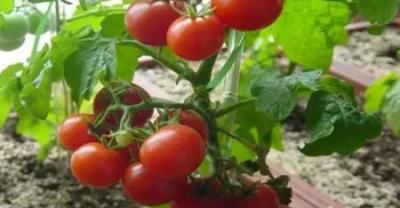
[
  {"x": 15, "y": 27},
  {"x": 124, "y": 138},
  {"x": 10, "y": 45}
]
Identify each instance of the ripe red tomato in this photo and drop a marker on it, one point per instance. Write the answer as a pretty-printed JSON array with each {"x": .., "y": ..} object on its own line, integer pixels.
[
  {"x": 264, "y": 197},
  {"x": 148, "y": 21},
  {"x": 193, "y": 120},
  {"x": 147, "y": 189},
  {"x": 198, "y": 202},
  {"x": 131, "y": 95},
  {"x": 174, "y": 151},
  {"x": 196, "y": 39},
  {"x": 74, "y": 131},
  {"x": 130, "y": 151},
  {"x": 96, "y": 166},
  {"x": 247, "y": 15}
]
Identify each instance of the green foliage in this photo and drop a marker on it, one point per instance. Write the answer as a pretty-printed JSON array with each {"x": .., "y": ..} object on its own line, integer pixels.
[
  {"x": 308, "y": 30},
  {"x": 376, "y": 93},
  {"x": 336, "y": 126},
  {"x": 7, "y": 6},
  {"x": 380, "y": 12},
  {"x": 278, "y": 97},
  {"x": 391, "y": 109}
]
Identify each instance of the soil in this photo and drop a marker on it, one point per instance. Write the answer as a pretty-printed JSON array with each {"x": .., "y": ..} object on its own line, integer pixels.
[
  {"x": 376, "y": 55},
  {"x": 26, "y": 183}
]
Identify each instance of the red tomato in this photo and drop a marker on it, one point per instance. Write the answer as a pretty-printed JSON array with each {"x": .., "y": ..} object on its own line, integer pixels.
[
  {"x": 174, "y": 151},
  {"x": 193, "y": 120},
  {"x": 131, "y": 95},
  {"x": 264, "y": 197},
  {"x": 96, "y": 166},
  {"x": 147, "y": 189},
  {"x": 197, "y": 202},
  {"x": 196, "y": 39},
  {"x": 247, "y": 15},
  {"x": 132, "y": 150},
  {"x": 74, "y": 131},
  {"x": 148, "y": 21}
]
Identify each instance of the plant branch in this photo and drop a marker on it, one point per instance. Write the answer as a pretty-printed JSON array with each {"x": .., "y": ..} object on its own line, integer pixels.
[
  {"x": 205, "y": 70},
  {"x": 182, "y": 71},
  {"x": 241, "y": 140},
  {"x": 234, "y": 106}
]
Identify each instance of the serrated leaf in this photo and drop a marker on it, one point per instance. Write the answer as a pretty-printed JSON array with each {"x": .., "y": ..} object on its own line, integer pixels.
[
  {"x": 391, "y": 108},
  {"x": 37, "y": 82},
  {"x": 277, "y": 98},
  {"x": 63, "y": 45},
  {"x": 9, "y": 89},
  {"x": 308, "y": 30},
  {"x": 380, "y": 12},
  {"x": 229, "y": 64},
  {"x": 7, "y": 5},
  {"x": 335, "y": 125},
  {"x": 376, "y": 93},
  {"x": 95, "y": 59},
  {"x": 339, "y": 87}
]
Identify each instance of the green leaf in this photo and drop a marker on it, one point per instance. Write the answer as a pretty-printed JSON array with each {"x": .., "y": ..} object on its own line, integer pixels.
[
  {"x": 377, "y": 91},
  {"x": 9, "y": 89},
  {"x": 391, "y": 108},
  {"x": 380, "y": 12},
  {"x": 40, "y": 130},
  {"x": 2, "y": 20},
  {"x": 278, "y": 97},
  {"x": 339, "y": 87},
  {"x": 229, "y": 64},
  {"x": 94, "y": 60},
  {"x": 127, "y": 61},
  {"x": 37, "y": 83},
  {"x": 63, "y": 45},
  {"x": 308, "y": 30},
  {"x": 6, "y": 6},
  {"x": 113, "y": 26},
  {"x": 277, "y": 138},
  {"x": 335, "y": 125}
]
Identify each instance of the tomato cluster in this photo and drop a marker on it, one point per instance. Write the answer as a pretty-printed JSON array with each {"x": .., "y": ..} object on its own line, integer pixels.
[
  {"x": 16, "y": 26},
  {"x": 196, "y": 37},
  {"x": 153, "y": 170}
]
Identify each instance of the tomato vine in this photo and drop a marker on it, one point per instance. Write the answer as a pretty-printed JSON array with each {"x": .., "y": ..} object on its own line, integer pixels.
[{"x": 100, "y": 45}]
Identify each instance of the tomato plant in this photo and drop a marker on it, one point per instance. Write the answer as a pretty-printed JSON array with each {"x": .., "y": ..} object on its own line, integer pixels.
[
  {"x": 224, "y": 130},
  {"x": 75, "y": 132},
  {"x": 141, "y": 22},
  {"x": 247, "y": 14},
  {"x": 96, "y": 166},
  {"x": 146, "y": 188},
  {"x": 130, "y": 94},
  {"x": 158, "y": 152},
  {"x": 196, "y": 38}
]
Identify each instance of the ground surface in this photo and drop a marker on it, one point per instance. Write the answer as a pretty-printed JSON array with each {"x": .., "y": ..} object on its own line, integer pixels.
[
  {"x": 26, "y": 184},
  {"x": 376, "y": 55}
]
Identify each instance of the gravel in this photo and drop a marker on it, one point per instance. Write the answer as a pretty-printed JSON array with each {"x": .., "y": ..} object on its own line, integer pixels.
[{"x": 376, "y": 55}]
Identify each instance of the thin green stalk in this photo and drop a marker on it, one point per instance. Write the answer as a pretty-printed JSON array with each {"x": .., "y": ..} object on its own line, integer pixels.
[
  {"x": 234, "y": 106},
  {"x": 181, "y": 70}
]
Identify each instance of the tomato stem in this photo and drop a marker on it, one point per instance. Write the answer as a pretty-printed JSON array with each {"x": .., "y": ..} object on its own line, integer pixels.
[
  {"x": 234, "y": 106},
  {"x": 183, "y": 71}
]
